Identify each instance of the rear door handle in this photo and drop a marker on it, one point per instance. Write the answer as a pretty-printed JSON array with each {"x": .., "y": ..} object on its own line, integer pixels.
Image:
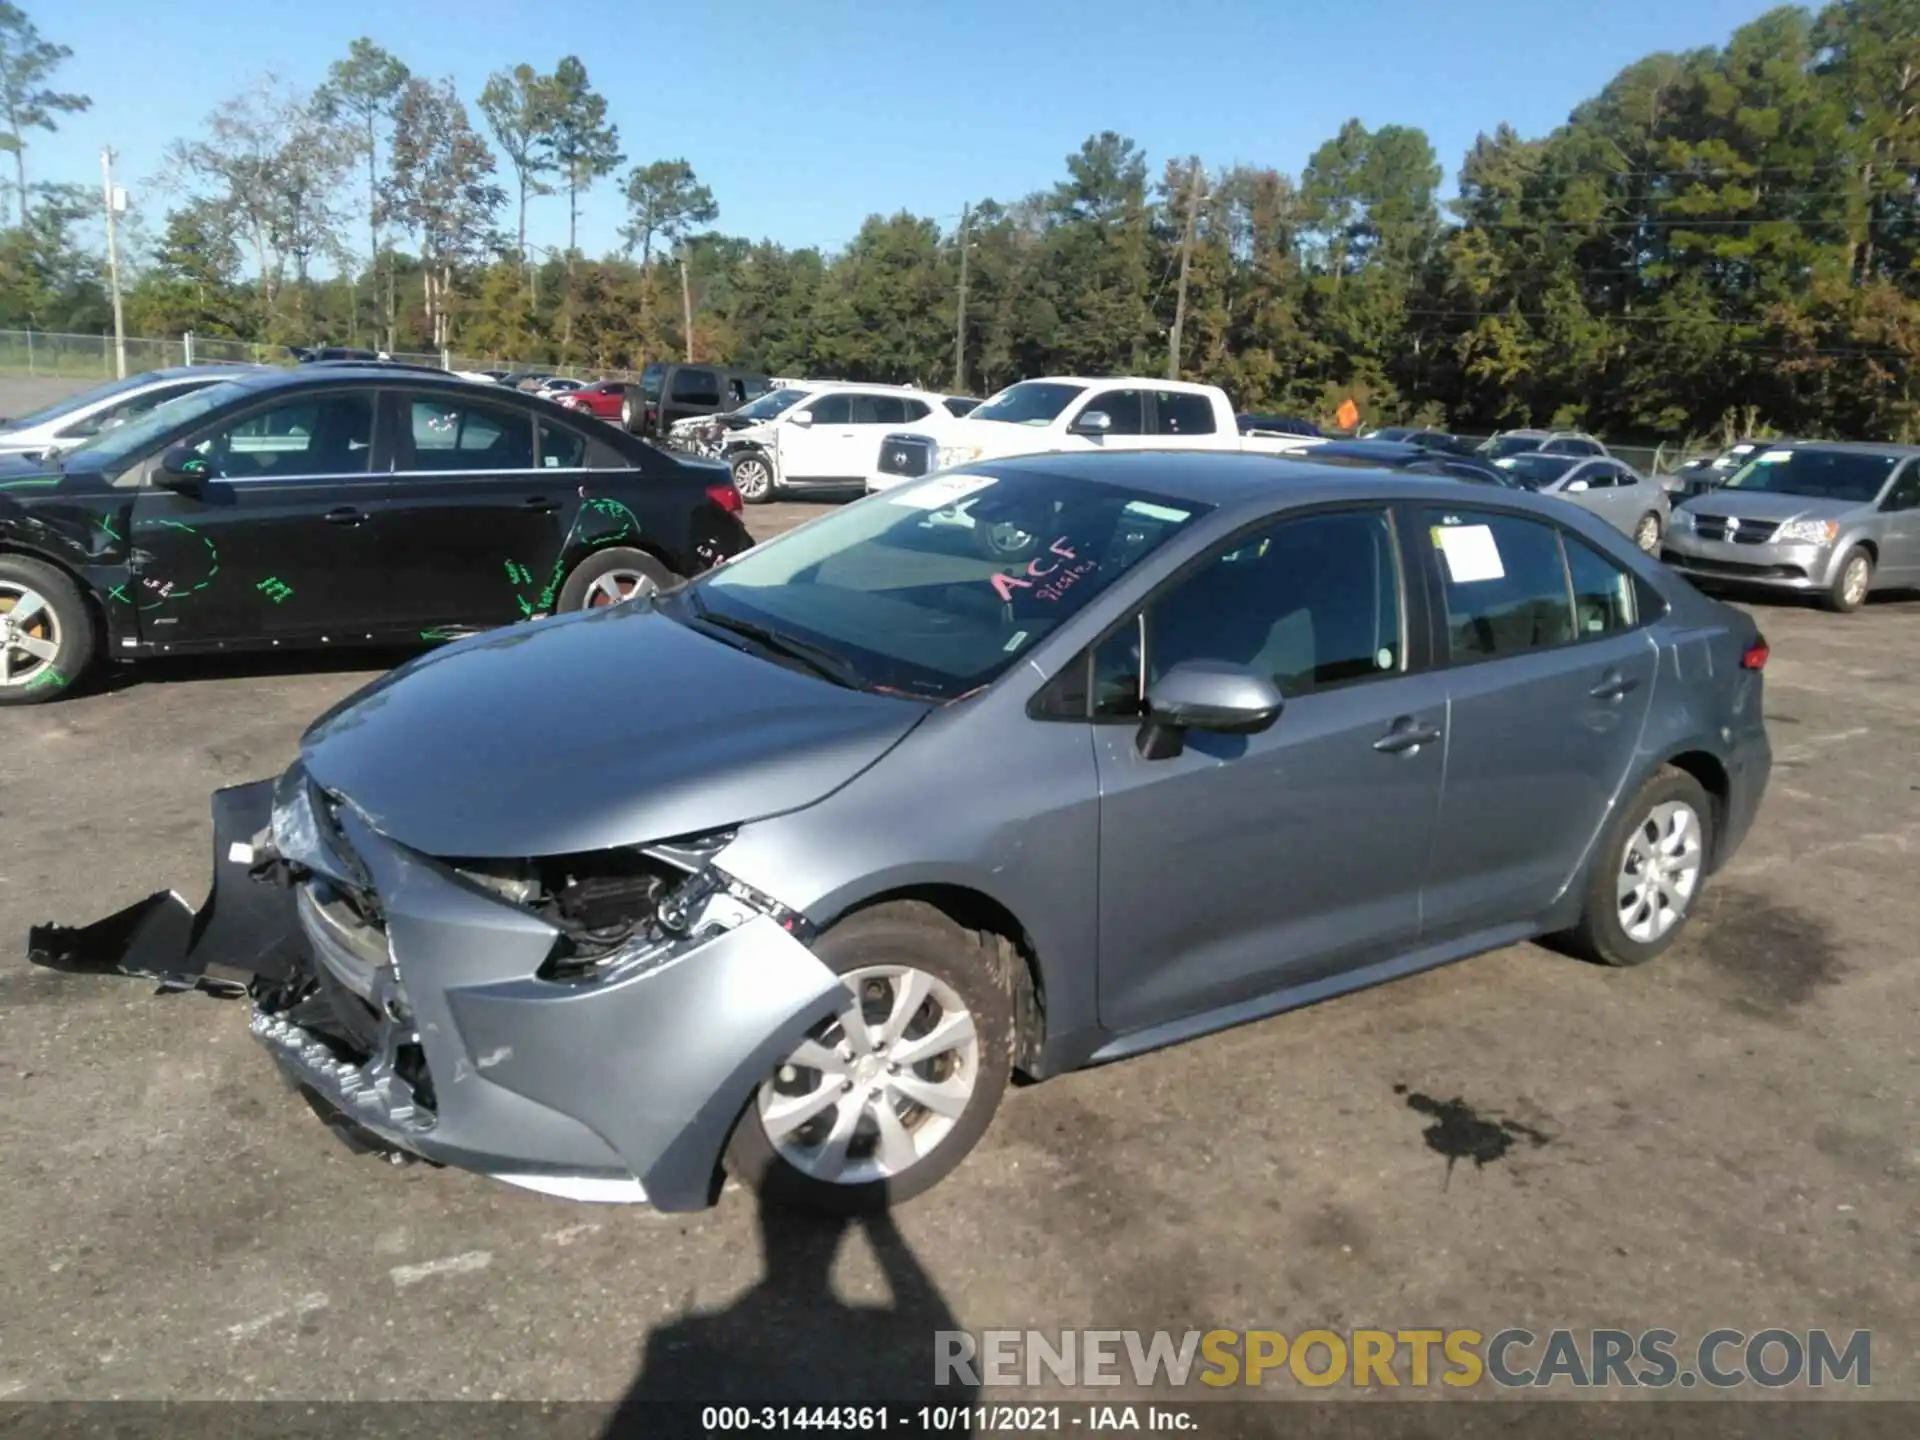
[
  {"x": 1612, "y": 686},
  {"x": 344, "y": 515},
  {"x": 1406, "y": 734},
  {"x": 540, "y": 504}
]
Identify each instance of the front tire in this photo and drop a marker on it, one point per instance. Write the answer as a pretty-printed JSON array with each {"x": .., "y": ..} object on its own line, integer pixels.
[
  {"x": 753, "y": 477},
  {"x": 1647, "y": 533},
  {"x": 1648, "y": 872},
  {"x": 47, "y": 635},
  {"x": 1852, "y": 582},
  {"x": 611, "y": 576},
  {"x": 885, "y": 1099}
]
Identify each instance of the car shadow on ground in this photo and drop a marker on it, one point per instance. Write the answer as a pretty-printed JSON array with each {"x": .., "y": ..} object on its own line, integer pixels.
[
  {"x": 248, "y": 665},
  {"x": 791, "y": 1341}
]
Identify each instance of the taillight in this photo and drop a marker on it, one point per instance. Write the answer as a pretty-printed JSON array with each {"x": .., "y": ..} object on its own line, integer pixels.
[
  {"x": 1756, "y": 656},
  {"x": 726, "y": 497}
]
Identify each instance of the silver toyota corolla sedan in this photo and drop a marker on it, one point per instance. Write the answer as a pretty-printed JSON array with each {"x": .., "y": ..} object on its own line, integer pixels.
[
  {"x": 1830, "y": 520},
  {"x": 1019, "y": 767}
]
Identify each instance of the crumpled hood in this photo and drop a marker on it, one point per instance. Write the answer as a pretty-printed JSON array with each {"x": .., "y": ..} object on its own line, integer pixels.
[
  {"x": 609, "y": 727},
  {"x": 1762, "y": 505}
]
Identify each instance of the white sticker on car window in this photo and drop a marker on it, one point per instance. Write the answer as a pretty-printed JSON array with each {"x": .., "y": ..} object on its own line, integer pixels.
[
  {"x": 946, "y": 490},
  {"x": 1471, "y": 553},
  {"x": 1774, "y": 457}
]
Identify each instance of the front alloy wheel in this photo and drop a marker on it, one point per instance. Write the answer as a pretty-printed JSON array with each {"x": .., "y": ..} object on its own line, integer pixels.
[
  {"x": 30, "y": 636},
  {"x": 875, "y": 1090},
  {"x": 753, "y": 478}
]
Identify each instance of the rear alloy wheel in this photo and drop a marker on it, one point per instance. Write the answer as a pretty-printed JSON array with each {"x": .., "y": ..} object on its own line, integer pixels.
[
  {"x": 1647, "y": 533},
  {"x": 884, "y": 1099},
  {"x": 628, "y": 412},
  {"x": 753, "y": 478},
  {"x": 1852, "y": 581},
  {"x": 612, "y": 577},
  {"x": 46, "y": 632},
  {"x": 1648, "y": 872}
]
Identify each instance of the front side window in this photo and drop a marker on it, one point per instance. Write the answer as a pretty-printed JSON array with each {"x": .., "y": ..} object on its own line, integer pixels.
[
  {"x": 1505, "y": 583},
  {"x": 1312, "y": 602},
  {"x": 1181, "y": 412},
  {"x": 1905, "y": 494},
  {"x": 313, "y": 435},
  {"x": 1031, "y": 402},
  {"x": 1123, "y": 407},
  {"x": 832, "y": 410},
  {"x": 1816, "y": 473},
  {"x": 1598, "y": 477},
  {"x": 1536, "y": 470},
  {"x": 936, "y": 587},
  {"x": 462, "y": 435}
]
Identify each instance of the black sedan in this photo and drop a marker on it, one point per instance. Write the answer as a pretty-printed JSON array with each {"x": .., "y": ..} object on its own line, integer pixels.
[
  {"x": 1414, "y": 459},
  {"x": 331, "y": 506}
]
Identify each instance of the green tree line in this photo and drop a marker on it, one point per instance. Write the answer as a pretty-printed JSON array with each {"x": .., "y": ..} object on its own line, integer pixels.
[{"x": 1727, "y": 238}]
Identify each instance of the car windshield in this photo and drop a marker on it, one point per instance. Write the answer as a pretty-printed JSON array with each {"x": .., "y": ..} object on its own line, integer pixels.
[
  {"x": 771, "y": 404},
  {"x": 1032, "y": 402},
  {"x": 123, "y": 442},
  {"x": 1819, "y": 474},
  {"x": 1501, "y": 446},
  {"x": 933, "y": 588},
  {"x": 77, "y": 402},
  {"x": 1534, "y": 471}
]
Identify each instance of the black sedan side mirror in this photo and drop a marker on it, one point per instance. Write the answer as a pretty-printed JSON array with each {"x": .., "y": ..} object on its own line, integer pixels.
[
  {"x": 1215, "y": 695},
  {"x": 182, "y": 469}
]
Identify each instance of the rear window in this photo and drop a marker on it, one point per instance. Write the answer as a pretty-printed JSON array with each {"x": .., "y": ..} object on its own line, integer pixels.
[
  {"x": 1184, "y": 413},
  {"x": 651, "y": 379},
  {"x": 696, "y": 387}
]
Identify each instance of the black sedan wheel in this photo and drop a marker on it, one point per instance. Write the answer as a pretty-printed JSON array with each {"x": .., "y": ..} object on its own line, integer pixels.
[
  {"x": 46, "y": 632},
  {"x": 610, "y": 577}
]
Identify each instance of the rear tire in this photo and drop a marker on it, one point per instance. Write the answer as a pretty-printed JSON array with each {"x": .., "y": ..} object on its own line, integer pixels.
[
  {"x": 903, "y": 1119},
  {"x": 629, "y": 414},
  {"x": 753, "y": 477},
  {"x": 48, "y": 639},
  {"x": 1852, "y": 582},
  {"x": 610, "y": 576},
  {"x": 1648, "y": 872}
]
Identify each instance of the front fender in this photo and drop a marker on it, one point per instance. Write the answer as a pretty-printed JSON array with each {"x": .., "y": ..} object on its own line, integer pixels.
[{"x": 84, "y": 535}]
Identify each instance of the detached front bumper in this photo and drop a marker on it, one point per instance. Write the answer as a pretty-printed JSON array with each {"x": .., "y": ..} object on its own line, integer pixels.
[{"x": 623, "y": 1086}]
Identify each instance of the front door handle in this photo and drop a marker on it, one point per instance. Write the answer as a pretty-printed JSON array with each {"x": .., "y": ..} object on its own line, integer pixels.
[
  {"x": 1612, "y": 686},
  {"x": 344, "y": 515},
  {"x": 1406, "y": 735},
  {"x": 540, "y": 504}
]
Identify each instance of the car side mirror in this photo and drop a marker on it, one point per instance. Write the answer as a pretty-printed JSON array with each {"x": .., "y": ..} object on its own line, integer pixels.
[
  {"x": 802, "y": 418},
  {"x": 183, "y": 470},
  {"x": 1574, "y": 487},
  {"x": 1093, "y": 423},
  {"x": 1212, "y": 695}
]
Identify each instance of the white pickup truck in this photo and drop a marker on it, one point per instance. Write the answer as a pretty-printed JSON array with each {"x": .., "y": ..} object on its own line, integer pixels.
[{"x": 1069, "y": 412}]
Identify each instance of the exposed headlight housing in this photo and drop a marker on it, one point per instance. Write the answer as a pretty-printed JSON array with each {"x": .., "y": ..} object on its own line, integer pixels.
[{"x": 1808, "y": 532}]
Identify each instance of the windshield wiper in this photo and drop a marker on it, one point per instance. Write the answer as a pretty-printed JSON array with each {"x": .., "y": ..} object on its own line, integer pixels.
[{"x": 823, "y": 662}]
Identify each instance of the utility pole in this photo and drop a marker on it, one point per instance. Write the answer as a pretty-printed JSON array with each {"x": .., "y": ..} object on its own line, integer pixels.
[
  {"x": 116, "y": 199},
  {"x": 960, "y": 310},
  {"x": 1186, "y": 260},
  {"x": 686, "y": 296}
]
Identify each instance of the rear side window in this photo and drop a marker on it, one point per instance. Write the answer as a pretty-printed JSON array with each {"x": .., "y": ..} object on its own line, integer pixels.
[
  {"x": 449, "y": 435},
  {"x": 1603, "y": 593},
  {"x": 696, "y": 387},
  {"x": 1123, "y": 408},
  {"x": 1505, "y": 584},
  {"x": 878, "y": 410},
  {"x": 914, "y": 409},
  {"x": 561, "y": 448},
  {"x": 1183, "y": 413}
]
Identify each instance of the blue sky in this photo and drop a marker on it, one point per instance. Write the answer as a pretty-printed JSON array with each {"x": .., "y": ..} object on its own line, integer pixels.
[{"x": 805, "y": 118}]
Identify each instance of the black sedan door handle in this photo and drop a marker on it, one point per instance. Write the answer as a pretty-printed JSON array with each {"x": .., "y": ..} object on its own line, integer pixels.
[
  {"x": 1406, "y": 734},
  {"x": 1612, "y": 686},
  {"x": 540, "y": 504},
  {"x": 344, "y": 515}
]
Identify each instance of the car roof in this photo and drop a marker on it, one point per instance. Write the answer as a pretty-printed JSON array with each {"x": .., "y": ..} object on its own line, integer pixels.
[
  {"x": 269, "y": 378},
  {"x": 1369, "y": 450},
  {"x": 1138, "y": 382},
  {"x": 1229, "y": 478}
]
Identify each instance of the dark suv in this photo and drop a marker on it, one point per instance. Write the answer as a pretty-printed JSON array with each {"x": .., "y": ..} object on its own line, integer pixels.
[
  {"x": 669, "y": 392},
  {"x": 336, "y": 505}
]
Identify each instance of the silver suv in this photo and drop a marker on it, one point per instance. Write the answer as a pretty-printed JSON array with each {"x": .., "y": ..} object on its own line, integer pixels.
[{"x": 1831, "y": 520}]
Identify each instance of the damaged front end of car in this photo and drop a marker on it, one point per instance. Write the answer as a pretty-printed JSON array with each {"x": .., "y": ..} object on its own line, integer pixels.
[{"x": 586, "y": 1025}]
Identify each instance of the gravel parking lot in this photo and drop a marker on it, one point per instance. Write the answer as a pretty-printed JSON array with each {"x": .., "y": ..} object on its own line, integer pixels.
[{"x": 1728, "y": 1137}]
